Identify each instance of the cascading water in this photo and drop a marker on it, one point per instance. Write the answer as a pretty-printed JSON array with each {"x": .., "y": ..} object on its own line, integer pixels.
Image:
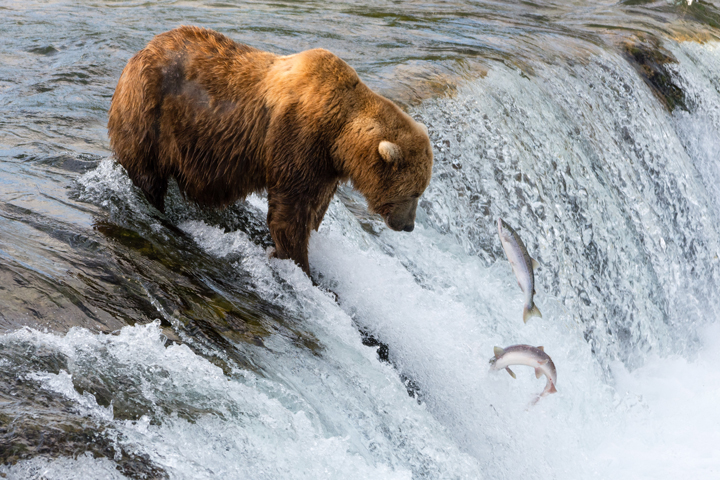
[
  {"x": 234, "y": 365},
  {"x": 594, "y": 170}
]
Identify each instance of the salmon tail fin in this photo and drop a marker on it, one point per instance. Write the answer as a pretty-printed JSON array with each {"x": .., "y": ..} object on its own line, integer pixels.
[
  {"x": 533, "y": 312},
  {"x": 512, "y": 374}
]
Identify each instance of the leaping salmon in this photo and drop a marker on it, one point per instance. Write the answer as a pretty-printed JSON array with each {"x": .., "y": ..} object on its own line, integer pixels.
[
  {"x": 534, "y": 357},
  {"x": 522, "y": 266}
]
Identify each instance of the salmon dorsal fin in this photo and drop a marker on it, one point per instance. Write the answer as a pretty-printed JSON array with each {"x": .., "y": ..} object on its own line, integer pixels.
[
  {"x": 499, "y": 352},
  {"x": 541, "y": 348}
]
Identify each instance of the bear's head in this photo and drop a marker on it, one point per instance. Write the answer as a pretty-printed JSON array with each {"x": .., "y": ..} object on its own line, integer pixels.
[{"x": 388, "y": 157}]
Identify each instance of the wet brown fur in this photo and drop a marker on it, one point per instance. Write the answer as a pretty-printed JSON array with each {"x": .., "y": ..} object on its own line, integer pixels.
[{"x": 226, "y": 120}]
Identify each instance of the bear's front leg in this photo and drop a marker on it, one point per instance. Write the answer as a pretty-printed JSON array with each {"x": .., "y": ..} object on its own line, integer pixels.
[
  {"x": 325, "y": 195},
  {"x": 290, "y": 221}
]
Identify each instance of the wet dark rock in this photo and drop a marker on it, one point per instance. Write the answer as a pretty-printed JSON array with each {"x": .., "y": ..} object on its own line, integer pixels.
[
  {"x": 383, "y": 352},
  {"x": 651, "y": 61}
]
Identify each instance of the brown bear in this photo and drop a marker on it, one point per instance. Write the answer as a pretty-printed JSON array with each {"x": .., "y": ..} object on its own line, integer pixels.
[{"x": 225, "y": 120}]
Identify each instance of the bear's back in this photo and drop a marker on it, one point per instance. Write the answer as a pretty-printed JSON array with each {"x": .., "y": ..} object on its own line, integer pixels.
[{"x": 225, "y": 119}]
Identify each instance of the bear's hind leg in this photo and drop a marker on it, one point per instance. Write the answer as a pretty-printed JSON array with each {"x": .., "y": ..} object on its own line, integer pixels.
[
  {"x": 156, "y": 194},
  {"x": 153, "y": 185}
]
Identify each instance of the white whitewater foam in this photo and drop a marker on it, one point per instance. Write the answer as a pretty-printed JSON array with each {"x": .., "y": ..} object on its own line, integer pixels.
[
  {"x": 668, "y": 417},
  {"x": 83, "y": 467}
]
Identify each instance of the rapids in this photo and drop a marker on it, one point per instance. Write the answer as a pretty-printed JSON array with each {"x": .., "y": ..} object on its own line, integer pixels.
[{"x": 136, "y": 345}]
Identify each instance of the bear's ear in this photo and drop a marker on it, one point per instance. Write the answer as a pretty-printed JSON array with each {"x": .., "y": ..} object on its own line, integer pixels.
[
  {"x": 390, "y": 152},
  {"x": 424, "y": 128}
]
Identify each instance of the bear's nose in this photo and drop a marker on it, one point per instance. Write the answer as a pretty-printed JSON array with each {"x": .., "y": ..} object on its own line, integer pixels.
[{"x": 409, "y": 227}]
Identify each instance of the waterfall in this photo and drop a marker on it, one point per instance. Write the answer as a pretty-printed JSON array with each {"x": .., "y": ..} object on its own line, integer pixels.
[{"x": 615, "y": 196}]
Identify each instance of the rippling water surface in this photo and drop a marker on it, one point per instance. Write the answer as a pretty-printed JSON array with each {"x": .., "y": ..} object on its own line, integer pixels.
[{"x": 140, "y": 345}]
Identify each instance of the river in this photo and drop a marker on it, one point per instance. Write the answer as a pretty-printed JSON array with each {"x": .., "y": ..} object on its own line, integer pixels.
[{"x": 140, "y": 345}]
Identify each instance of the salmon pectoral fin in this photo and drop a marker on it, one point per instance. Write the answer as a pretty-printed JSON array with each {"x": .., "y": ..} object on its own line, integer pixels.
[
  {"x": 512, "y": 374},
  {"x": 538, "y": 373},
  {"x": 535, "y": 263}
]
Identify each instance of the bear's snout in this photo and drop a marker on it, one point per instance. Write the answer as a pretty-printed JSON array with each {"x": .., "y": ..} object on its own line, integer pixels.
[
  {"x": 399, "y": 225},
  {"x": 402, "y": 216}
]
